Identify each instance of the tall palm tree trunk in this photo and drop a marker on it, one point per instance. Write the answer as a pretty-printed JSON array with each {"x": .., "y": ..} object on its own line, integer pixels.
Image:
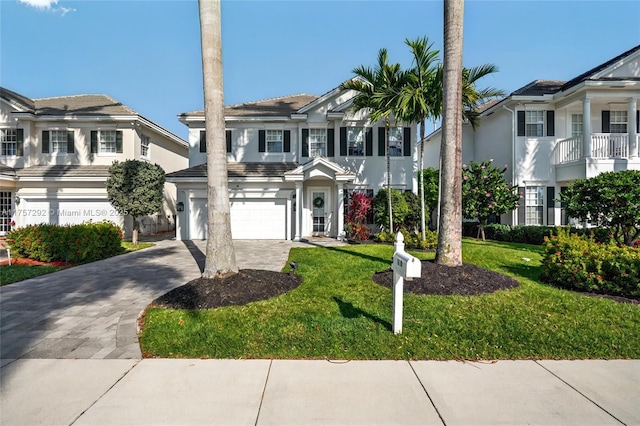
[
  {"x": 220, "y": 256},
  {"x": 449, "y": 251},
  {"x": 421, "y": 183},
  {"x": 386, "y": 135}
]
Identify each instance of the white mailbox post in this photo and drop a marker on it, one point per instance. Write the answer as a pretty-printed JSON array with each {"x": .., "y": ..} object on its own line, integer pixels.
[{"x": 404, "y": 266}]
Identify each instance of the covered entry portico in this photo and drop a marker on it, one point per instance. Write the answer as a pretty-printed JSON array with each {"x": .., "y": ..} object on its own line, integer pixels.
[{"x": 319, "y": 196}]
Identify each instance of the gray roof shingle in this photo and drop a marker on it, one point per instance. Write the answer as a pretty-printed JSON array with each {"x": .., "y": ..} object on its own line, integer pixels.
[
  {"x": 63, "y": 171},
  {"x": 539, "y": 88},
  {"x": 81, "y": 105},
  {"x": 282, "y": 106},
  {"x": 235, "y": 170}
]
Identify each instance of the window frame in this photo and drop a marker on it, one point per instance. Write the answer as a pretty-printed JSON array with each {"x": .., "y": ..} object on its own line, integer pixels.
[
  {"x": 269, "y": 142},
  {"x": 5, "y": 143},
  {"x": 618, "y": 123},
  {"x": 534, "y": 205},
  {"x": 316, "y": 145},
  {"x": 394, "y": 151},
  {"x": 356, "y": 145},
  {"x": 145, "y": 144},
  {"x": 530, "y": 121},
  {"x": 58, "y": 141},
  {"x": 103, "y": 151},
  {"x": 575, "y": 125}
]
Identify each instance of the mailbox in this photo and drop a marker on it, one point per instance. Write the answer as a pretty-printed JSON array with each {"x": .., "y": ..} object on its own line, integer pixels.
[{"x": 406, "y": 265}]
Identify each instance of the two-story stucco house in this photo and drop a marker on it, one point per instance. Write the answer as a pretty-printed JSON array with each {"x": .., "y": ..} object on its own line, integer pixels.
[
  {"x": 292, "y": 163},
  {"x": 551, "y": 133},
  {"x": 55, "y": 155}
]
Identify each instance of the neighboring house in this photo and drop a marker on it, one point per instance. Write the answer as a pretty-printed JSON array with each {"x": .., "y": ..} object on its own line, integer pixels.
[
  {"x": 55, "y": 155},
  {"x": 292, "y": 163},
  {"x": 551, "y": 133}
]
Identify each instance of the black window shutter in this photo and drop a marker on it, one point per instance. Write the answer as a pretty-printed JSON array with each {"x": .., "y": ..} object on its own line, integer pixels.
[
  {"x": 71, "y": 148},
  {"x": 343, "y": 141},
  {"x": 564, "y": 220},
  {"x": 331, "y": 143},
  {"x": 521, "y": 123},
  {"x": 94, "y": 141},
  {"x": 551, "y": 123},
  {"x": 287, "y": 141},
  {"x": 606, "y": 121},
  {"x": 369, "y": 142},
  {"x": 203, "y": 141},
  {"x": 119, "y": 141},
  {"x": 305, "y": 142},
  {"x": 227, "y": 136},
  {"x": 262, "y": 138},
  {"x": 521, "y": 210},
  {"x": 551, "y": 204},
  {"x": 638, "y": 121},
  {"x": 406, "y": 140},
  {"x": 19, "y": 142},
  {"x": 381, "y": 142},
  {"x": 45, "y": 141}
]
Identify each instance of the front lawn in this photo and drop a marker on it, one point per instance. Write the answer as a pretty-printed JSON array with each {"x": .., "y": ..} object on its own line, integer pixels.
[
  {"x": 15, "y": 273},
  {"x": 338, "y": 312}
]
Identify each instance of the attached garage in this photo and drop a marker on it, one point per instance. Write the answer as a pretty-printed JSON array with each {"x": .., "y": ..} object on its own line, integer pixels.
[{"x": 258, "y": 219}]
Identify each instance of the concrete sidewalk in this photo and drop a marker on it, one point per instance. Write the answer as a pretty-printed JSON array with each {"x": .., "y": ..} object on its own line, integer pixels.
[{"x": 293, "y": 392}]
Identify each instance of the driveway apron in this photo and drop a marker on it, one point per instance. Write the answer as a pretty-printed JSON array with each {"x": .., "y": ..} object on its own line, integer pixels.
[{"x": 91, "y": 311}]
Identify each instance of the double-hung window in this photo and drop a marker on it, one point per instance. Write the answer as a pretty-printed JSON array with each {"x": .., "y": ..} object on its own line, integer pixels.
[
  {"x": 58, "y": 141},
  {"x": 107, "y": 141},
  {"x": 395, "y": 141},
  {"x": 355, "y": 141},
  {"x": 534, "y": 123},
  {"x": 534, "y": 203},
  {"x": 8, "y": 142},
  {"x": 618, "y": 122},
  {"x": 144, "y": 146},
  {"x": 274, "y": 141},
  {"x": 576, "y": 125},
  {"x": 317, "y": 142}
]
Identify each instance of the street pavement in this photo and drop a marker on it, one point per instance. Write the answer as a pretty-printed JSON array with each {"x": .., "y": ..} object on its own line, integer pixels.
[{"x": 70, "y": 355}]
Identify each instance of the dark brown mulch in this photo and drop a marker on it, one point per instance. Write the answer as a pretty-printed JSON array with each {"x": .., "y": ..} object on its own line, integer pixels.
[
  {"x": 248, "y": 285},
  {"x": 466, "y": 280}
]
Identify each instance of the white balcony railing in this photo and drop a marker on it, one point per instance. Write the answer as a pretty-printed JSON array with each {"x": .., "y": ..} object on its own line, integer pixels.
[{"x": 603, "y": 146}]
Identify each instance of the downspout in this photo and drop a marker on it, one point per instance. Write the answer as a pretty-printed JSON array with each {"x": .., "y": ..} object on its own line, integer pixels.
[{"x": 514, "y": 219}]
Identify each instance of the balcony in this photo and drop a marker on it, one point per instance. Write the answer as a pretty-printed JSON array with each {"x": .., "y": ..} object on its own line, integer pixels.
[{"x": 608, "y": 152}]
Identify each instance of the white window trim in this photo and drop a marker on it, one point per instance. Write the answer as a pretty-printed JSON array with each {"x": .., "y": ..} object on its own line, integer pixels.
[
  {"x": 618, "y": 123},
  {"x": 528, "y": 112},
  {"x": 102, "y": 153},
  {"x": 401, "y": 155},
  {"x": 325, "y": 142},
  {"x": 144, "y": 137},
  {"x": 66, "y": 141},
  {"x": 3, "y": 142},
  {"x": 364, "y": 141},
  {"x": 266, "y": 142}
]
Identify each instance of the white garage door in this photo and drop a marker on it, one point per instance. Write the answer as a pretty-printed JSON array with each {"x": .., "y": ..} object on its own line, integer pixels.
[
  {"x": 66, "y": 212},
  {"x": 251, "y": 219},
  {"x": 259, "y": 219}
]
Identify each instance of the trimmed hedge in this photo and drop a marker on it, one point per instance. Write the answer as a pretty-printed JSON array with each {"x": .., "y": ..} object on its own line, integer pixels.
[
  {"x": 582, "y": 263},
  {"x": 70, "y": 243},
  {"x": 411, "y": 240},
  {"x": 529, "y": 234}
]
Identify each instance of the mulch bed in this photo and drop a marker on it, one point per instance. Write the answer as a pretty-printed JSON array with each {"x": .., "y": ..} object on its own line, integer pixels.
[
  {"x": 465, "y": 280},
  {"x": 249, "y": 285},
  {"x": 21, "y": 261}
]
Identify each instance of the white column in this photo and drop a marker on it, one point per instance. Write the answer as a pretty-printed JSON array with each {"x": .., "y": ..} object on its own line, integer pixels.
[
  {"x": 586, "y": 127},
  {"x": 631, "y": 124},
  {"x": 299, "y": 206},
  {"x": 341, "y": 234}
]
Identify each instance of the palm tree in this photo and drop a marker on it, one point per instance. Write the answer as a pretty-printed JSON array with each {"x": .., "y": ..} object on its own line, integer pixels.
[
  {"x": 220, "y": 256},
  {"x": 449, "y": 250},
  {"x": 378, "y": 90},
  {"x": 418, "y": 100}
]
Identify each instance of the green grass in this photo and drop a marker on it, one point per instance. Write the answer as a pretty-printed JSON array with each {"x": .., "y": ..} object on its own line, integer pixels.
[
  {"x": 338, "y": 312},
  {"x": 15, "y": 273}
]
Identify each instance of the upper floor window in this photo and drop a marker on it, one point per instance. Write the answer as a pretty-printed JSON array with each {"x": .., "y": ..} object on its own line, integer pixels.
[
  {"x": 355, "y": 141},
  {"x": 576, "y": 125},
  {"x": 106, "y": 141},
  {"x": 317, "y": 142},
  {"x": 534, "y": 205},
  {"x": 537, "y": 123},
  {"x": 618, "y": 122},
  {"x": 395, "y": 141},
  {"x": 58, "y": 141},
  {"x": 534, "y": 123},
  {"x": 144, "y": 146},
  {"x": 8, "y": 142},
  {"x": 274, "y": 140}
]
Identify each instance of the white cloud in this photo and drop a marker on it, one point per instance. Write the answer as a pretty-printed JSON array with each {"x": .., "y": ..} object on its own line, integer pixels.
[{"x": 48, "y": 5}]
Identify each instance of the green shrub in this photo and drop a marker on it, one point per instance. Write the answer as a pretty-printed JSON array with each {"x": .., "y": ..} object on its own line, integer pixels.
[
  {"x": 581, "y": 263},
  {"x": 529, "y": 234},
  {"x": 70, "y": 243}
]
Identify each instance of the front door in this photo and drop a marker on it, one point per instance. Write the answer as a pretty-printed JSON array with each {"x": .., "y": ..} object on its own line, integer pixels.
[{"x": 319, "y": 212}]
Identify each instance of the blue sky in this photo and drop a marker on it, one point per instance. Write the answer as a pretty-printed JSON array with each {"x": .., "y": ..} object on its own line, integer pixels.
[{"x": 146, "y": 54}]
